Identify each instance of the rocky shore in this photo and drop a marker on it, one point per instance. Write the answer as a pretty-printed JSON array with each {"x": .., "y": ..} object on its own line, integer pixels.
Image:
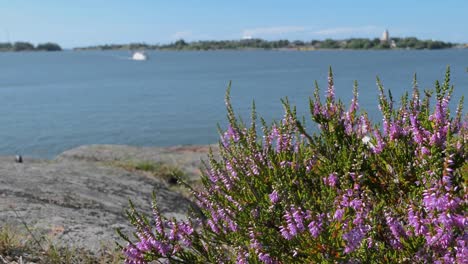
[{"x": 79, "y": 198}]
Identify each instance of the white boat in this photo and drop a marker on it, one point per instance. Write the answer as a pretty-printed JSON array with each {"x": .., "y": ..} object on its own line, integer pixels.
[{"x": 139, "y": 56}]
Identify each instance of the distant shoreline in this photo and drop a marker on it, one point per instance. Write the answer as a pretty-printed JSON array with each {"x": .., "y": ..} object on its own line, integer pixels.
[
  {"x": 220, "y": 50},
  {"x": 409, "y": 43},
  {"x": 26, "y": 46},
  {"x": 259, "y": 49},
  {"x": 260, "y": 44}
]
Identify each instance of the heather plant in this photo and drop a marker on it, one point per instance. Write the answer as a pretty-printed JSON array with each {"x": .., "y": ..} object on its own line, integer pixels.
[{"x": 353, "y": 192}]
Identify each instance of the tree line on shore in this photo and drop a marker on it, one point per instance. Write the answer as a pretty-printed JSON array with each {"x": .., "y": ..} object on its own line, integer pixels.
[
  {"x": 26, "y": 46},
  {"x": 352, "y": 43}
]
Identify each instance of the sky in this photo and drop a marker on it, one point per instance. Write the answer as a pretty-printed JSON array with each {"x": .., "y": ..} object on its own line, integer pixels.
[{"x": 91, "y": 22}]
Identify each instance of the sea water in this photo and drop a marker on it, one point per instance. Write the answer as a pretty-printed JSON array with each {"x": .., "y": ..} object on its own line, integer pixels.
[{"x": 51, "y": 102}]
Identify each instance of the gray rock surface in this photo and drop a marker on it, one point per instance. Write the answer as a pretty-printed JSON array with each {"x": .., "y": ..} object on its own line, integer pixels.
[
  {"x": 188, "y": 158},
  {"x": 78, "y": 199}
]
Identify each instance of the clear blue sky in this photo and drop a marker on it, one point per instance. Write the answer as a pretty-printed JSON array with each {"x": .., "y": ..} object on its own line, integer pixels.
[{"x": 87, "y": 22}]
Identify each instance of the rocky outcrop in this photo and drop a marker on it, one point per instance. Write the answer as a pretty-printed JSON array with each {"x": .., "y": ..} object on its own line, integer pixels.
[{"x": 79, "y": 199}]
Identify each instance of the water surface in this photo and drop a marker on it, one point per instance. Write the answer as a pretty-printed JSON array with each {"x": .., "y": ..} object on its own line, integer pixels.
[{"x": 51, "y": 102}]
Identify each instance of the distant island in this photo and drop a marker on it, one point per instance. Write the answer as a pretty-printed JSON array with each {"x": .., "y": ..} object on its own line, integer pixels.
[
  {"x": 352, "y": 43},
  {"x": 383, "y": 43},
  {"x": 26, "y": 46}
]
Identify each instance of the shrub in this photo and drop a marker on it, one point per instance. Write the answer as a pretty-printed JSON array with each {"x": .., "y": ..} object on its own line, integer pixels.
[
  {"x": 48, "y": 47},
  {"x": 353, "y": 192}
]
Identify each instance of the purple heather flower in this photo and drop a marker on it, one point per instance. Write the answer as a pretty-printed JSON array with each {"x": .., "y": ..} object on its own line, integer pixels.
[
  {"x": 242, "y": 257},
  {"x": 449, "y": 258},
  {"x": 173, "y": 233},
  {"x": 315, "y": 226},
  {"x": 396, "y": 229},
  {"x": 232, "y": 225},
  {"x": 395, "y": 131},
  {"x": 231, "y": 133},
  {"x": 425, "y": 151},
  {"x": 274, "y": 133},
  {"x": 274, "y": 197},
  {"x": 265, "y": 258},
  {"x": 326, "y": 112},
  {"x": 230, "y": 199},
  {"x": 298, "y": 216},
  {"x": 356, "y": 204},
  {"x": 354, "y": 239},
  {"x": 338, "y": 214},
  {"x": 144, "y": 244},
  {"x": 285, "y": 232},
  {"x": 434, "y": 139},
  {"x": 380, "y": 143},
  {"x": 283, "y": 143},
  {"x": 415, "y": 221},
  {"x": 331, "y": 180},
  {"x": 157, "y": 219},
  {"x": 213, "y": 175},
  {"x": 297, "y": 146},
  {"x": 435, "y": 199},
  {"x": 386, "y": 126},
  {"x": 132, "y": 254},
  {"x": 213, "y": 226},
  {"x": 185, "y": 228},
  {"x": 227, "y": 181},
  {"x": 291, "y": 225},
  {"x": 445, "y": 237},
  {"x": 317, "y": 108},
  {"x": 230, "y": 169},
  {"x": 418, "y": 135},
  {"x": 438, "y": 117},
  {"x": 360, "y": 217},
  {"x": 461, "y": 249},
  {"x": 460, "y": 221},
  {"x": 364, "y": 125},
  {"x": 441, "y": 240},
  {"x": 370, "y": 242},
  {"x": 254, "y": 243},
  {"x": 446, "y": 219},
  {"x": 348, "y": 124},
  {"x": 254, "y": 168}
]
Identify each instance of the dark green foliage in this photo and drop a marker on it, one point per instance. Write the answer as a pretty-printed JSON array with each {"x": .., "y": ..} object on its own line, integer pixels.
[
  {"x": 48, "y": 47},
  {"x": 255, "y": 43},
  {"x": 21, "y": 46},
  {"x": 26, "y": 46},
  {"x": 6, "y": 46}
]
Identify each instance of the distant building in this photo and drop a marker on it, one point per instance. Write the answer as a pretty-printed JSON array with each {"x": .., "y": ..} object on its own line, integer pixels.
[{"x": 385, "y": 36}]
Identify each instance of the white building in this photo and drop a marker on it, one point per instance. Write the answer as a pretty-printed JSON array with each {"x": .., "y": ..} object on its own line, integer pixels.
[{"x": 385, "y": 36}]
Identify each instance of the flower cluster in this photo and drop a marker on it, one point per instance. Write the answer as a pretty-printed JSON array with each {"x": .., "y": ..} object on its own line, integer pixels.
[
  {"x": 352, "y": 192},
  {"x": 165, "y": 239}
]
